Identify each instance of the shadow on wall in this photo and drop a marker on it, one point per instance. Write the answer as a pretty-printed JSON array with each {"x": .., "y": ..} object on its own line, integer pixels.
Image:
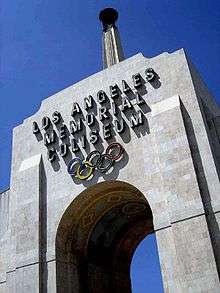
[
  {"x": 212, "y": 223},
  {"x": 43, "y": 273},
  {"x": 125, "y": 112}
]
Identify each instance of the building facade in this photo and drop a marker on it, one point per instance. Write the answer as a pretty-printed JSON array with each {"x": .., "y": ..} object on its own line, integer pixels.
[{"x": 128, "y": 151}]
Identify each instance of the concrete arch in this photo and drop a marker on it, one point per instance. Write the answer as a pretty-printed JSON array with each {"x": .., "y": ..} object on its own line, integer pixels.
[{"x": 97, "y": 236}]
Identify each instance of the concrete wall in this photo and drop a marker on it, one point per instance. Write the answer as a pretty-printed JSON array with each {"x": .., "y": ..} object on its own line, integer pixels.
[
  {"x": 4, "y": 218},
  {"x": 167, "y": 150}
]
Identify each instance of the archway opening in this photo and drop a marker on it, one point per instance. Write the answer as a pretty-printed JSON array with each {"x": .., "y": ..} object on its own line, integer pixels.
[
  {"x": 97, "y": 237},
  {"x": 145, "y": 267}
]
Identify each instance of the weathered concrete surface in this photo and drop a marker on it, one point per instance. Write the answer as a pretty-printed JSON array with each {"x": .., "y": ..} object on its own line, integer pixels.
[
  {"x": 173, "y": 161},
  {"x": 4, "y": 218}
]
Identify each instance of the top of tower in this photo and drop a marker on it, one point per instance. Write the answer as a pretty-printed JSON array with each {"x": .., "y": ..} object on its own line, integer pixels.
[
  {"x": 112, "y": 51},
  {"x": 108, "y": 17}
]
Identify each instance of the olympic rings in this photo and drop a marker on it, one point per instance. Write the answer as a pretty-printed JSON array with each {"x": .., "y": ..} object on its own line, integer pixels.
[
  {"x": 83, "y": 169},
  {"x": 91, "y": 157},
  {"x": 80, "y": 170},
  {"x": 72, "y": 164},
  {"x": 110, "y": 150},
  {"x": 102, "y": 167}
]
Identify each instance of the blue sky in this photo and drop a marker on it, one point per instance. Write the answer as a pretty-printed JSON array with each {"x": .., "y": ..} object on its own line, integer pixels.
[{"x": 48, "y": 45}]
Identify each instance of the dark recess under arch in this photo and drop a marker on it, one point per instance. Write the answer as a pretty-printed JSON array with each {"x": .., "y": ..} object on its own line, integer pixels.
[{"x": 97, "y": 237}]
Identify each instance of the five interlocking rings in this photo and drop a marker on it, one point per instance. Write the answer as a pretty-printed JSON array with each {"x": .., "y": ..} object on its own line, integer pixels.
[{"x": 83, "y": 169}]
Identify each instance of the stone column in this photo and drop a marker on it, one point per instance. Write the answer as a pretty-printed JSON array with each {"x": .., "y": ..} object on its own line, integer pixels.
[
  {"x": 30, "y": 227},
  {"x": 112, "y": 52}
]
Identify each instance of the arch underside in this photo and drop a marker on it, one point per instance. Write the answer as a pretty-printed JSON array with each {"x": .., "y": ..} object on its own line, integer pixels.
[{"x": 97, "y": 237}]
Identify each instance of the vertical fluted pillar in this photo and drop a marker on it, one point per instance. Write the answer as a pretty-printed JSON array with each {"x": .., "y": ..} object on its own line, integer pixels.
[{"x": 112, "y": 51}]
